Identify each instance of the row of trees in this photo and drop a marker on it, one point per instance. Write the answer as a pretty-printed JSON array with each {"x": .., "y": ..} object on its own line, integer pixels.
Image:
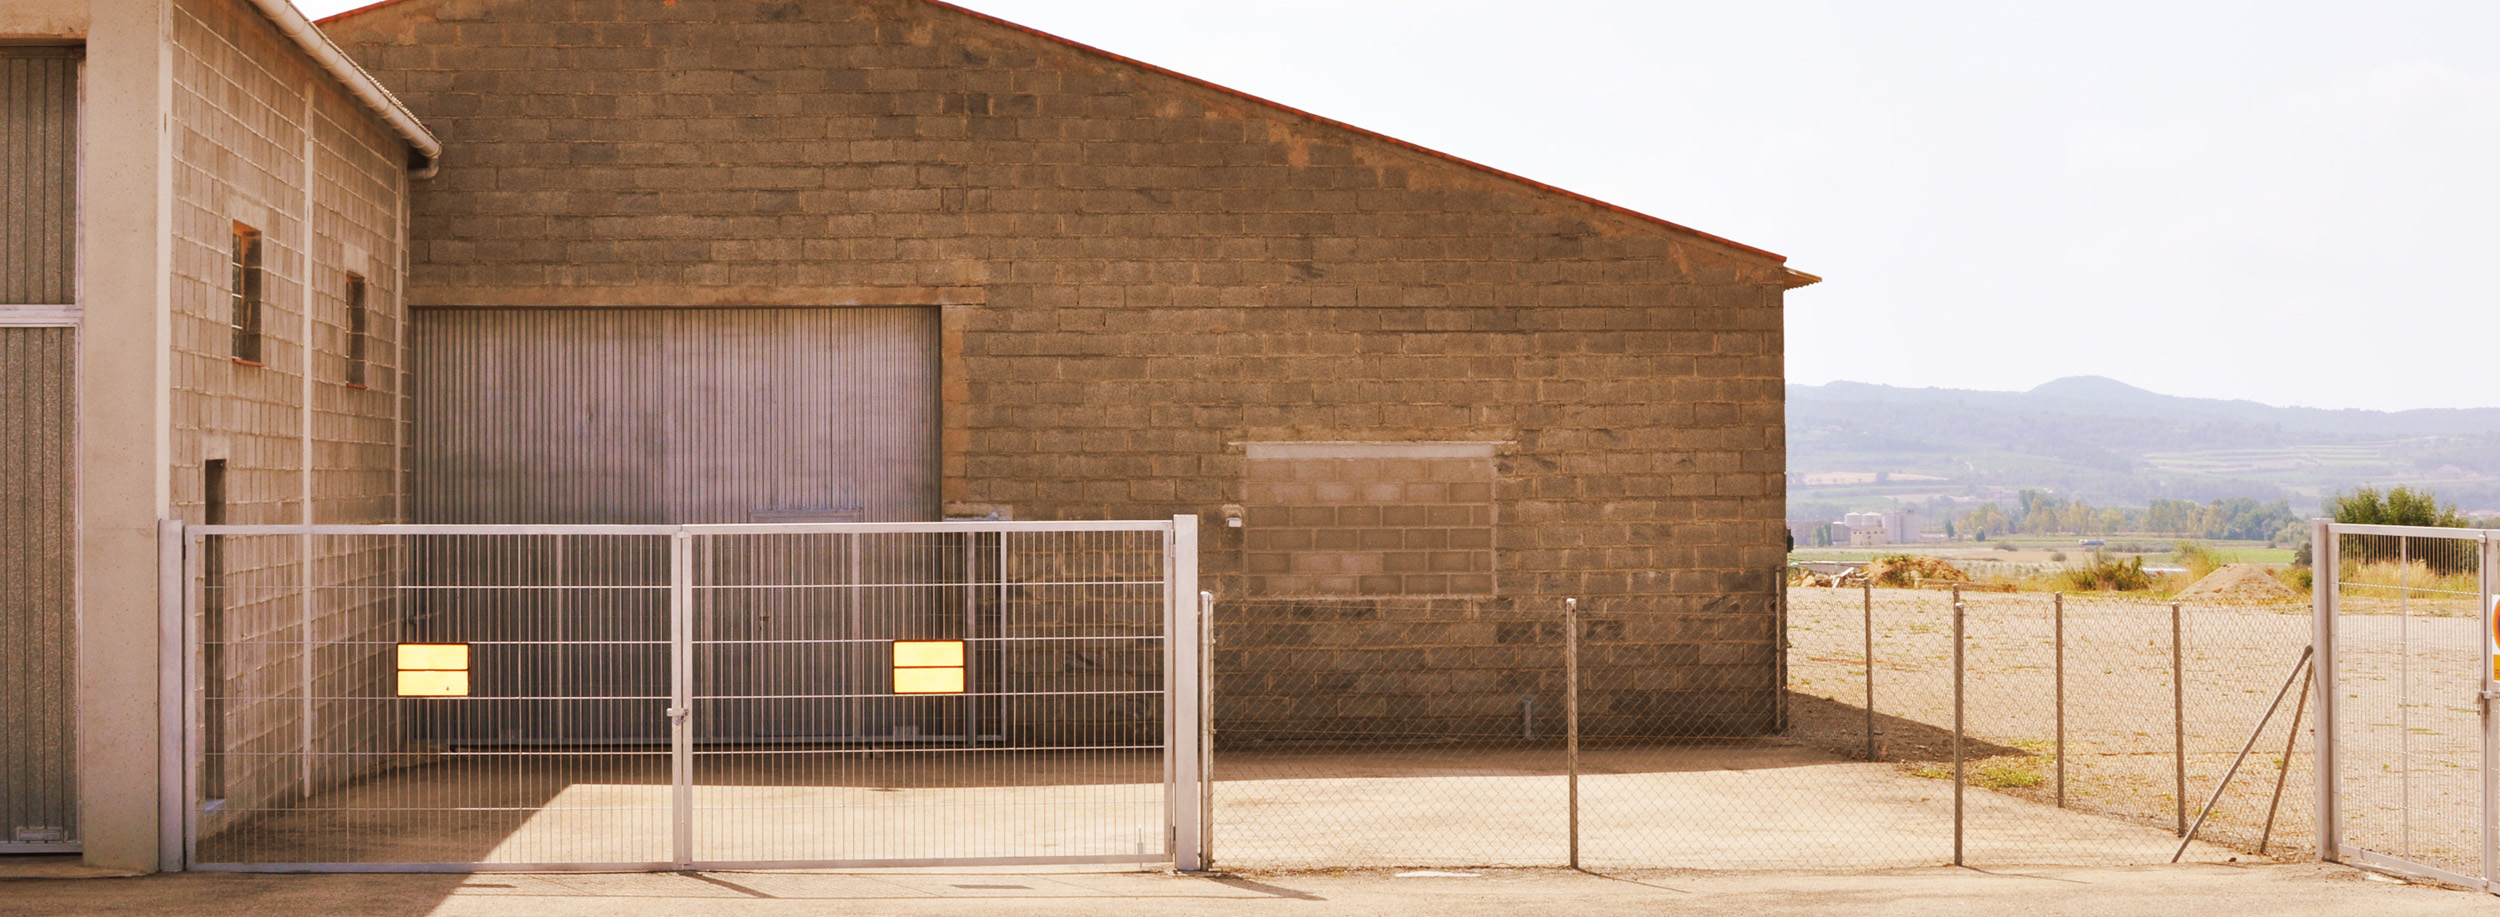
[{"x": 2038, "y": 512}]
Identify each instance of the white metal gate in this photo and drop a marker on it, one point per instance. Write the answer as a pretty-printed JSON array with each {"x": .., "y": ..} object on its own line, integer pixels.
[
  {"x": 471, "y": 698},
  {"x": 2407, "y": 651}
]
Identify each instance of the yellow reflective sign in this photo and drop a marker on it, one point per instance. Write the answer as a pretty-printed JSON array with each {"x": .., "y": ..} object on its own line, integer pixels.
[
  {"x": 441, "y": 657},
  {"x": 929, "y": 681},
  {"x": 433, "y": 684},
  {"x": 433, "y": 670},
  {"x": 915, "y": 654},
  {"x": 928, "y": 667}
]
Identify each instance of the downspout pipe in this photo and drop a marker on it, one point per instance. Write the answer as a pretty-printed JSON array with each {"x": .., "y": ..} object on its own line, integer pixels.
[{"x": 424, "y": 152}]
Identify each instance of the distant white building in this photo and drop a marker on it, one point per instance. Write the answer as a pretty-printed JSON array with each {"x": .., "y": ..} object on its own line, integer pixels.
[{"x": 1867, "y": 529}]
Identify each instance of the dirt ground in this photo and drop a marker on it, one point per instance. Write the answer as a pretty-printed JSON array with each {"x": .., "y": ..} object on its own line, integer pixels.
[{"x": 2410, "y": 766}]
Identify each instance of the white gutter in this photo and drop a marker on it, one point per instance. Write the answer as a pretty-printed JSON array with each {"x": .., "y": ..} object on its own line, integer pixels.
[{"x": 428, "y": 151}]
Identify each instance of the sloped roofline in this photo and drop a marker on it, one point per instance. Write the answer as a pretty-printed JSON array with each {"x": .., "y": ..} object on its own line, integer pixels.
[
  {"x": 1340, "y": 125},
  {"x": 1797, "y": 278},
  {"x": 291, "y": 22}
]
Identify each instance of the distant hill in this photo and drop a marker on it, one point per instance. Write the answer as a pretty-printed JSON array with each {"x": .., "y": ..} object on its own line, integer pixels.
[{"x": 2113, "y": 444}]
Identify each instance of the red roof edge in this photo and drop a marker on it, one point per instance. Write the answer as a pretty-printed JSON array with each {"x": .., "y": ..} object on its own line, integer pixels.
[
  {"x": 369, "y": 7},
  {"x": 1288, "y": 109}
]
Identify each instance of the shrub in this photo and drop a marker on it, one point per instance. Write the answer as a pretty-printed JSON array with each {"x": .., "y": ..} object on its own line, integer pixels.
[
  {"x": 1907, "y": 571},
  {"x": 2105, "y": 574},
  {"x": 2057, "y": 556},
  {"x": 2199, "y": 559}
]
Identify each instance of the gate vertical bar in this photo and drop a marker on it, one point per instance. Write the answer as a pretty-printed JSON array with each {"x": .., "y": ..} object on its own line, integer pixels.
[
  {"x": 681, "y": 699},
  {"x": 1184, "y": 731},
  {"x": 174, "y": 606},
  {"x": 193, "y": 682},
  {"x": 2322, "y": 590},
  {"x": 2060, "y": 642}
]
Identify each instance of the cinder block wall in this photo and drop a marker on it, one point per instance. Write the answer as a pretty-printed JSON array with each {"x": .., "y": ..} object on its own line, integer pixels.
[
  {"x": 1141, "y": 276},
  {"x": 263, "y": 136}
]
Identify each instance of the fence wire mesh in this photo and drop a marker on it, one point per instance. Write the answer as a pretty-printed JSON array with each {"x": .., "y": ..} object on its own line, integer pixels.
[{"x": 1816, "y": 731}]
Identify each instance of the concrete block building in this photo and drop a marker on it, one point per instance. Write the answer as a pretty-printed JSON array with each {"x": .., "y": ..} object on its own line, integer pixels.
[
  {"x": 776, "y": 260},
  {"x": 204, "y": 319}
]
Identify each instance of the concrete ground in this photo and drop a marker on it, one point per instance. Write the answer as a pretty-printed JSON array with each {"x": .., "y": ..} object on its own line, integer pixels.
[
  {"x": 1930, "y": 892},
  {"x": 1730, "y": 806},
  {"x": 1724, "y": 806}
]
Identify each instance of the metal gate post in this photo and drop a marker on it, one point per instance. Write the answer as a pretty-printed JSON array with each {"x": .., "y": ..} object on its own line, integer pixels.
[
  {"x": 193, "y": 684},
  {"x": 2490, "y": 608},
  {"x": 1206, "y": 729},
  {"x": 1183, "y": 730},
  {"x": 681, "y": 699},
  {"x": 2322, "y": 596},
  {"x": 172, "y": 650}
]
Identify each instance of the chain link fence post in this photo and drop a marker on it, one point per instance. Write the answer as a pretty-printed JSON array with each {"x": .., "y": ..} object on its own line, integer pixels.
[
  {"x": 2178, "y": 721},
  {"x": 2060, "y": 641},
  {"x": 1868, "y": 589},
  {"x": 1571, "y": 713},
  {"x": 1959, "y": 669}
]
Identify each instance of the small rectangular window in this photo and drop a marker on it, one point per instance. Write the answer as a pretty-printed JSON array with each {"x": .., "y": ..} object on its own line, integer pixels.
[
  {"x": 356, "y": 330},
  {"x": 245, "y": 294}
]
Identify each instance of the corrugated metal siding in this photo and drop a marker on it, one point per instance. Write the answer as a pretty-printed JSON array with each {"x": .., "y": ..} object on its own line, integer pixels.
[
  {"x": 38, "y": 175},
  {"x": 669, "y": 416},
  {"x": 675, "y": 415},
  {"x": 38, "y": 528}
]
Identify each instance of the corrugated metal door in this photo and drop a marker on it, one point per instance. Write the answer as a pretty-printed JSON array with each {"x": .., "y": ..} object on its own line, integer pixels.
[
  {"x": 38, "y": 175},
  {"x": 670, "y": 416},
  {"x": 38, "y": 535},
  {"x": 38, "y": 522}
]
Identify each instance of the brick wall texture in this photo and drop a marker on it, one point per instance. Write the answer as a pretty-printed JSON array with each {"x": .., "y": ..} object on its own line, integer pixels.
[
  {"x": 1139, "y": 275},
  {"x": 263, "y": 136}
]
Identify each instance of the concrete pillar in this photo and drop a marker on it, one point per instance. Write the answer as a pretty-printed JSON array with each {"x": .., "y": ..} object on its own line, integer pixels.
[{"x": 125, "y": 270}]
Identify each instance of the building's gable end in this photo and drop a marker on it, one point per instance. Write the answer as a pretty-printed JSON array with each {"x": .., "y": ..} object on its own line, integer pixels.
[{"x": 951, "y": 73}]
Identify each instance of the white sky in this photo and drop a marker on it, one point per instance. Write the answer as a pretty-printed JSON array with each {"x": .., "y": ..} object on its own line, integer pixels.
[{"x": 2282, "y": 201}]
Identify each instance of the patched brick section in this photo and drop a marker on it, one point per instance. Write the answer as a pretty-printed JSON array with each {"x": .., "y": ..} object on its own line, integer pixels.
[{"x": 1353, "y": 519}]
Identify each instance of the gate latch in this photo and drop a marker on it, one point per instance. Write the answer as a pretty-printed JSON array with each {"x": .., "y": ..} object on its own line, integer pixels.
[
  {"x": 2484, "y": 698},
  {"x": 677, "y": 715}
]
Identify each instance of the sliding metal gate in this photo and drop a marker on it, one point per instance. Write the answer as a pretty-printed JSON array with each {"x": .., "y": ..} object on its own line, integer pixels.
[
  {"x": 458, "y": 698},
  {"x": 2408, "y": 643}
]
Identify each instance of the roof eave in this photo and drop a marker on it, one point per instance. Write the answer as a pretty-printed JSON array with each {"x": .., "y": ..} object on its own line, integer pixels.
[{"x": 425, "y": 149}]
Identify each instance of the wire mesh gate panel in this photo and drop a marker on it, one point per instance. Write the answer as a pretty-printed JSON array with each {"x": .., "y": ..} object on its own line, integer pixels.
[
  {"x": 2406, "y": 657},
  {"x": 713, "y": 696}
]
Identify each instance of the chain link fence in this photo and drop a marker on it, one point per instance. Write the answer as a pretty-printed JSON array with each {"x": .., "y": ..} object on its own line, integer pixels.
[{"x": 1823, "y": 730}]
